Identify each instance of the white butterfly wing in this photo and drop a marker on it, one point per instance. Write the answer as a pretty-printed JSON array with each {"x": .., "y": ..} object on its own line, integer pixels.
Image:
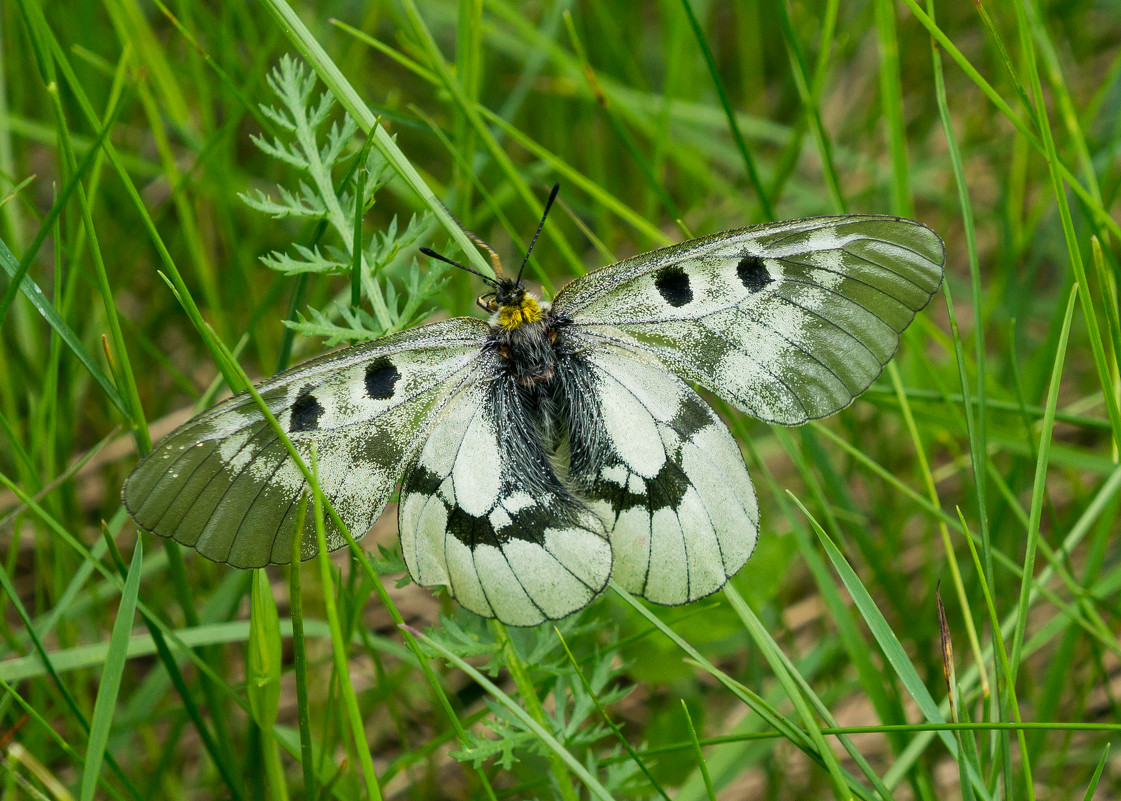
[
  {"x": 483, "y": 512},
  {"x": 524, "y": 504},
  {"x": 788, "y": 321},
  {"x": 653, "y": 460},
  {"x": 225, "y": 485}
]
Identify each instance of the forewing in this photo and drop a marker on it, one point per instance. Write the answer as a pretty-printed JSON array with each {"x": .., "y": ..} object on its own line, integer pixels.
[
  {"x": 663, "y": 472},
  {"x": 225, "y": 485},
  {"x": 787, "y": 321},
  {"x": 483, "y": 513}
]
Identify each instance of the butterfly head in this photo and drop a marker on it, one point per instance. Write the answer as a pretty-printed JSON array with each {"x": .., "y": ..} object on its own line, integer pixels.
[{"x": 511, "y": 304}]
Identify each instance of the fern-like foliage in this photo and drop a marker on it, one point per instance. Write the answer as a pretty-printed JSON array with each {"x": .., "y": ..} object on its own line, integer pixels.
[
  {"x": 572, "y": 717},
  {"x": 330, "y": 164}
]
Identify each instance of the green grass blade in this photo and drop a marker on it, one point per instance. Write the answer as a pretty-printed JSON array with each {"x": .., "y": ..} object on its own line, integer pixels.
[
  {"x": 1058, "y": 184},
  {"x": 811, "y": 110},
  {"x": 726, "y": 104},
  {"x": 339, "y": 650},
  {"x": 102, "y": 721},
  {"x": 1039, "y": 488},
  {"x": 775, "y": 659},
  {"x": 891, "y": 95},
  {"x": 39, "y": 300},
  {"x": 888, "y": 642}
]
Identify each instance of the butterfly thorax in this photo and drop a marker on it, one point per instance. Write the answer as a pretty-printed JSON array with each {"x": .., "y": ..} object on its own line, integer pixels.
[
  {"x": 524, "y": 334},
  {"x": 511, "y": 305}
]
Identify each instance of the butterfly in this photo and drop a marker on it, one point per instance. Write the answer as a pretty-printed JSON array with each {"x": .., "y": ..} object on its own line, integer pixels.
[{"x": 559, "y": 445}]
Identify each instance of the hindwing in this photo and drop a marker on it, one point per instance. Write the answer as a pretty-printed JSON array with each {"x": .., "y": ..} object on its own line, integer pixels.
[
  {"x": 483, "y": 512},
  {"x": 787, "y": 321},
  {"x": 653, "y": 460},
  {"x": 225, "y": 485}
]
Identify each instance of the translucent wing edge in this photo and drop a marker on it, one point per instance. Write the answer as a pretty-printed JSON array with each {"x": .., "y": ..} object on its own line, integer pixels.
[
  {"x": 464, "y": 332},
  {"x": 764, "y": 240}
]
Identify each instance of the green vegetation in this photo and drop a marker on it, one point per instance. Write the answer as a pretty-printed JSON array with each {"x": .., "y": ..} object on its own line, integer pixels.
[{"x": 983, "y": 462}]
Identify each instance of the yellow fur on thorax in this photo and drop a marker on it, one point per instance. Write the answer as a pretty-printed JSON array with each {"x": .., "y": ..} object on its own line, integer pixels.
[{"x": 527, "y": 311}]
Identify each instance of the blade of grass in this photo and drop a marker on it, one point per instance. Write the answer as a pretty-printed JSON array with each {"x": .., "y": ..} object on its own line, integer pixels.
[
  {"x": 469, "y": 71},
  {"x": 117, "y": 655},
  {"x": 966, "y": 744},
  {"x": 528, "y": 693},
  {"x": 1027, "y": 28},
  {"x": 943, "y": 529},
  {"x": 159, "y": 632},
  {"x": 725, "y": 103},
  {"x": 262, "y": 679},
  {"x": 889, "y": 643},
  {"x": 701, "y": 765},
  {"x": 39, "y": 300},
  {"x": 339, "y": 648},
  {"x": 871, "y": 679},
  {"x": 782, "y": 671},
  {"x": 567, "y": 173},
  {"x": 1091, "y": 788},
  {"x": 1009, "y": 685},
  {"x": 359, "y": 210},
  {"x": 514, "y": 175},
  {"x": 299, "y": 657},
  {"x": 604, "y": 104},
  {"x": 977, "y": 430},
  {"x": 891, "y": 98},
  {"x": 615, "y": 730},
  {"x": 752, "y": 700},
  {"x": 47, "y": 224},
  {"x": 1039, "y": 488},
  {"x": 1101, "y": 215},
  {"x": 811, "y": 110}
]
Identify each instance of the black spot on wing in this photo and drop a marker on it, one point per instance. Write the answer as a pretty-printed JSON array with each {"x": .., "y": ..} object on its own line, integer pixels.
[
  {"x": 422, "y": 480},
  {"x": 752, "y": 274},
  {"x": 381, "y": 378},
  {"x": 664, "y": 491},
  {"x": 673, "y": 284},
  {"x": 470, "y": 530},
  {"x": 527, "y": 524},
  {"x": 691, "y": 417},
  {"x": 306, "y": 412}
]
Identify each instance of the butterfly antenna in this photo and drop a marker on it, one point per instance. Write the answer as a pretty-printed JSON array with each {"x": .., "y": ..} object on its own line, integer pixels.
[
  {"x": 430, "y": 253},
  {"x": 540, "y": 225},
  {"x": 494, "y": 260}
]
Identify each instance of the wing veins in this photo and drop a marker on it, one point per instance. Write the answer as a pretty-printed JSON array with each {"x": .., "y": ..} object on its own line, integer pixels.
[
  {"x": 234, "y": 478},
  {"x": 886, "y": 267},
  {"x": 237, "y": 532},
  {"x": 615, "y": 322},
  {"x": 215, "y": 451},
  {"x": 654, "y": 482},
  {"x": 762, "y": 238},
  {"x": 276, "y": 438},
  {"x": 844, "y": 248},
  {"x": 664, "y": 354},
  {"x": 250, "y": 402},
  {"x": 546, "y": 550},
  {"x": 794, "y": 345}
]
